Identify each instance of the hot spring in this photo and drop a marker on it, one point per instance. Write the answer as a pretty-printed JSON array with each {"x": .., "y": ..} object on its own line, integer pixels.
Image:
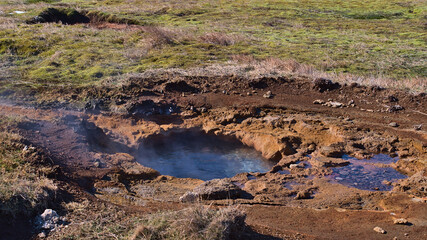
[{"x": 195, "y": 154}]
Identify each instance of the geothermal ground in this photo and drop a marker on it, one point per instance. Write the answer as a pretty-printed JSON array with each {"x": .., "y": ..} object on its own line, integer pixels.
[{"x": 303, "y": 158}]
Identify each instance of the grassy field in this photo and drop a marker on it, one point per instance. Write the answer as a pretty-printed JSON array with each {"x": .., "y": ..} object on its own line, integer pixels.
[{"x": 375, "y": 39}]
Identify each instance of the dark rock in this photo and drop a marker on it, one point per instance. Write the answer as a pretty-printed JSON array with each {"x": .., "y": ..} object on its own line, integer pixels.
[
  {"x": 376, "y": 88},
  {"x": 395, "y": 108},
  {"x": 392, "y": 98},
  {"x": 149, "y": 107},
  {"x": 322, "y": 84},
  {"x": 179, "y": 86},
  {"x": 215, "y": 189},
  {"x": 265, "y": 82}
]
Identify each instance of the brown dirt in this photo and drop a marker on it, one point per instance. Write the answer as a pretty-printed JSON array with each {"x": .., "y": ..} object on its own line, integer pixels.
[{"x": 76, "y": 140}]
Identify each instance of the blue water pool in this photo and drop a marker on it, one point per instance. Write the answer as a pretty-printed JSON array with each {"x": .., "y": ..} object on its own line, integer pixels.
[{"x": 194, "y": 154}]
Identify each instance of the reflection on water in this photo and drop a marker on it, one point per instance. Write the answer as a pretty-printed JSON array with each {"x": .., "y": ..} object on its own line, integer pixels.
[
  {"x": 198, "y": 155},
  {"x": 362, "y": 174}
]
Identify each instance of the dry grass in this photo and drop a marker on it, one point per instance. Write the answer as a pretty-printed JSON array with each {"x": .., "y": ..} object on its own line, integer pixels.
[
  {"x": 192, "y": 223},
  {"x": 219, "y": 39},
  {"x": 100, "y": 220},
  {"x": 248, "y": 67},
  {"x": 23, "y": 188}
]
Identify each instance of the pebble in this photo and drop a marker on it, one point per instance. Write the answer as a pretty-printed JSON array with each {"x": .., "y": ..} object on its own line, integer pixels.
[
  {"x": 418, "y": 127},
  {"x": 393, "y": 124},
  {"x": 268, "y": 95},
  {"x": 379, "y": 230},
  {"x": 42, "y": 235},
  {"x": 334, "y": 104},
  {"x": 400, "y": 221},
  {"x": 97, "y": 164},
  {"x": 318, "y": 101}
]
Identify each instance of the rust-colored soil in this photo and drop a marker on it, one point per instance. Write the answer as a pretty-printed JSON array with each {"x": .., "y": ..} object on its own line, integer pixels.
[{"x": 95, "y": 150}]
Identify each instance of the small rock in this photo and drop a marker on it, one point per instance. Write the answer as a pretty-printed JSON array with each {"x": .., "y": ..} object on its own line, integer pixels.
[
  {"x": 189, "y": 197},
  {"x": 48, "y": 220},
  {"x": 318, "y": 101},
  {"x": 215, "y": 189},
  {"x": 400, "y": 221},
  {"x": 379, "y": 230},
  {"x": 393, "y": 124},
  {"x": 334, "y": 104},
  {"x": 268, "y": 95},
  {"x": 322, "y": 84},
  {"x": 42, "y": 235},
  {"x": 406, "y": 234},
  {"x": 350, "y": 102},
  {"x": 385, "y": 182},
  {"x": 97, "y": 164},
  {"x": 294, "y": 166},
  {"x": 392, "y": 98},
  {"x": 395, "y": 108},
  {"x": 418, "y": 127}
]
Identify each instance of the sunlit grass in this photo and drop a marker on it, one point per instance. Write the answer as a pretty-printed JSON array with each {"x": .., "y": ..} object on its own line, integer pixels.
[{"x": 374, "y": 38}]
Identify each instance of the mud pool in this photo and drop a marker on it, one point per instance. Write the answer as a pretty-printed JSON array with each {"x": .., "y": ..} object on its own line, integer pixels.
[
  {"x": 367, "y": 174},
  {"x": 194, "y": 154}
]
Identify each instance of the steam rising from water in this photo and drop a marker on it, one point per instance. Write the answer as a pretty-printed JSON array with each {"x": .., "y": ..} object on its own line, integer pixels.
[{"x": 197, "y": 155}]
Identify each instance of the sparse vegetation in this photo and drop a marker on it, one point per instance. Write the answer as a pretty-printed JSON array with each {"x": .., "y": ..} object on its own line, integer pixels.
[
  {"x": 373, "y": 39},
  {"x": 110, "y": 222},
  {"x": 193, "y": 223},
  {"x": 24, "y": 190}
]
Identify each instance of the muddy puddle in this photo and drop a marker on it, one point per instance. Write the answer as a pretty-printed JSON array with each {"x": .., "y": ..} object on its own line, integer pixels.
[
  {"x": 368, "y": 174},
  {"x": 194, "y": 154}
]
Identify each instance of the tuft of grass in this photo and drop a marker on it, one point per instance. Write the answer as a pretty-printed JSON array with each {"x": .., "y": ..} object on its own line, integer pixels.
[
  {"x": 107, "y": 221},
  {"x": 193, "y": 223}
]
